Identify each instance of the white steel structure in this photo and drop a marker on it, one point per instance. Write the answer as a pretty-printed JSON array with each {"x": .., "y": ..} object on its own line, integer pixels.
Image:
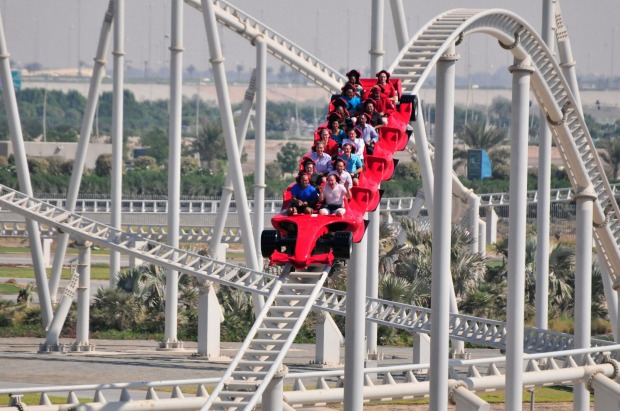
[{"x": 256, "y": 374}]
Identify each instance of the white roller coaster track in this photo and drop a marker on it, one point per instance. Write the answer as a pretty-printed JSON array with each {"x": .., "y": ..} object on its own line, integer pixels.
[
  {"x": 278, "y": 45},
  {"x": 413, "y": 66},
  {"x": 290, "y": 298},
  {"x": 584, "y": 168},
  {"x": 467, "y": 328}
]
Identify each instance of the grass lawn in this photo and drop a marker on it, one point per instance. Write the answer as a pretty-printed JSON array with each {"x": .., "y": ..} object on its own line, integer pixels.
[
  {"x": 70, "y": 251},
  {"x": 97, "y": 272},
  {"x": 9, "y": 289}
]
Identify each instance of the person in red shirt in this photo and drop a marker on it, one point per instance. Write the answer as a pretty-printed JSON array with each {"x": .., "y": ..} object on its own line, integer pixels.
[
  {"x": 384, "y": 105},
  {"x": 331, "y": 147},
  {"x": 383, "y": 79}
]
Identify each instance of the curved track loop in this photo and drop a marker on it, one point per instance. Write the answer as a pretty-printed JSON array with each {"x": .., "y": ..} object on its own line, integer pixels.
[
  {"x": 278, "y": 45},
  {"x": 584, "y": 168}
]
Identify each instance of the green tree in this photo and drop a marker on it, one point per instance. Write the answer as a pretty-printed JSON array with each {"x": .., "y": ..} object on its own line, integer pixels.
[
  {"x": 103, "y": 165},
  {"x": 211, "y": 145},
  {"x": 116, "y": 309},
  {"x": 145, "y": 163},
  {"x": 289, "y": 156},
  {"x": 156, "y": 139}
]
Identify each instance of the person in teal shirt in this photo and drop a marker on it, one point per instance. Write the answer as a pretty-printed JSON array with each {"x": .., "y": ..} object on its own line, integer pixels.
[{"x": 354, "y": 164}]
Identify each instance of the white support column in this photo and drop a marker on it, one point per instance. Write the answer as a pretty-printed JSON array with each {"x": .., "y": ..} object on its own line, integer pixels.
[
  {"x": 133, "y": 260},
  {"x": 611, "y": 296},
  {"x": 174, "y": 172},
  {"x": 328, "y": 341},
  {"x": 46, "y": 243},
  {"x": 82, "y": 340},
  {"x": 227, "y": 188},
  {"x": 228, "y": 125},
  {"x": 491, "y": 217},
  {"x": 583, "y": 286},
  {"x": 376, "y": 36},
  {"x": 466, "y": 400},
  {"x": 23, "y": 177},
  {"x": 82, "y": 146},
  {"x": 118, "y": 77},
  {"x": 372, "y": 279},
  {"x": 260, "y": 137},
  {"x": 482, "y": 237},
  {"x": 355, "y": 346},
  {"x": 606, "y": 393},
  {"x": 543, "y": 206},
  {"x": 273, "y": 398},
  {"x": 474, "y": 217},
  {"x": 399, "y": 17},
  {"x": 521, "y": 72},
  {"x": 442, "y": 230},
  {"x": 424, "y": 158},
  {"x": 210, "y": 317}
]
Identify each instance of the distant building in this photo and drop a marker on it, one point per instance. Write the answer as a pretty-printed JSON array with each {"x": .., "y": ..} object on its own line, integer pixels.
[{"x": 58, "y": 149}]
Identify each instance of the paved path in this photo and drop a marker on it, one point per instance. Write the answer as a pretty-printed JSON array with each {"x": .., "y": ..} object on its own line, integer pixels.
[{"x": 131, "y": 361}]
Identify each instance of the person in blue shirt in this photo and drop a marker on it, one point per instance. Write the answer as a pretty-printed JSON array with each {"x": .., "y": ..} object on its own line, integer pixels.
[
  {"x": 354, "y": 103},
  {"x": 304, "y": 195},
  {"x": 354, "y": 164}
]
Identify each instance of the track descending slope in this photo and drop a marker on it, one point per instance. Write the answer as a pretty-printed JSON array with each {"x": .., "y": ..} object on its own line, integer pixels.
[
  {"x": 278, "y": 45},
  {"x": 585, "y": 170}
]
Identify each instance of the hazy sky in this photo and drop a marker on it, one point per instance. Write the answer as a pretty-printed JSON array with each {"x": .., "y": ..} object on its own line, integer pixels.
[{"x": 59, "y": 33}]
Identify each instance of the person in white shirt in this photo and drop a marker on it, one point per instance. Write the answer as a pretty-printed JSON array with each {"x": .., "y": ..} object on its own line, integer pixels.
[
  {"x": 343, "y": 175},
  {"x": 353, "y": 138},
  {"x": 332, "y": 196}
]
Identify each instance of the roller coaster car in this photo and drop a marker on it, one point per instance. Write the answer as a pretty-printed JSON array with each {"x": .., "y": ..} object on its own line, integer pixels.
[{"x": 306, "y": 239}]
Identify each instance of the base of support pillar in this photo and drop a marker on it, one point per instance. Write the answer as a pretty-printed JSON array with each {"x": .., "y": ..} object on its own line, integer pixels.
[
  {"x": 460, "y": 355},
  {"x": 82, "y": 347},
  {"x": 211, "y": 358},
  {"x": 374, "y": 356},
  {"x": 170, "y": 346},
  {"x": 53, "y": 348},
  {"x": 325, "y": 366}
]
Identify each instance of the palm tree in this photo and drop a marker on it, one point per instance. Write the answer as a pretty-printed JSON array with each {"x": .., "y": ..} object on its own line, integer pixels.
[
  {"x": 483, "y": 136},
  {"x": 115, "y": 308},
  {"x": 7, "y": 312},
  {"x": 26, "y": 293},
  {"x": 413, "y": 264},
  {"x": 561, "y": 274}
]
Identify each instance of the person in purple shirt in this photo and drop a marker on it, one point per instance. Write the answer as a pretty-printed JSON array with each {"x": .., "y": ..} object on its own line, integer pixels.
[{"x": 369, "y": 134}]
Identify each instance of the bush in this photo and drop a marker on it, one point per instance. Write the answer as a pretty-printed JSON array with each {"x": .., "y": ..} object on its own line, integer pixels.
[
  {"x": 103, "y": 165},
  {"x": 38, "y": 165},
  {"x": 56, "y": 165},
  {"x": 189, "y": 165},
  {"x": 145, "y": 163}
]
